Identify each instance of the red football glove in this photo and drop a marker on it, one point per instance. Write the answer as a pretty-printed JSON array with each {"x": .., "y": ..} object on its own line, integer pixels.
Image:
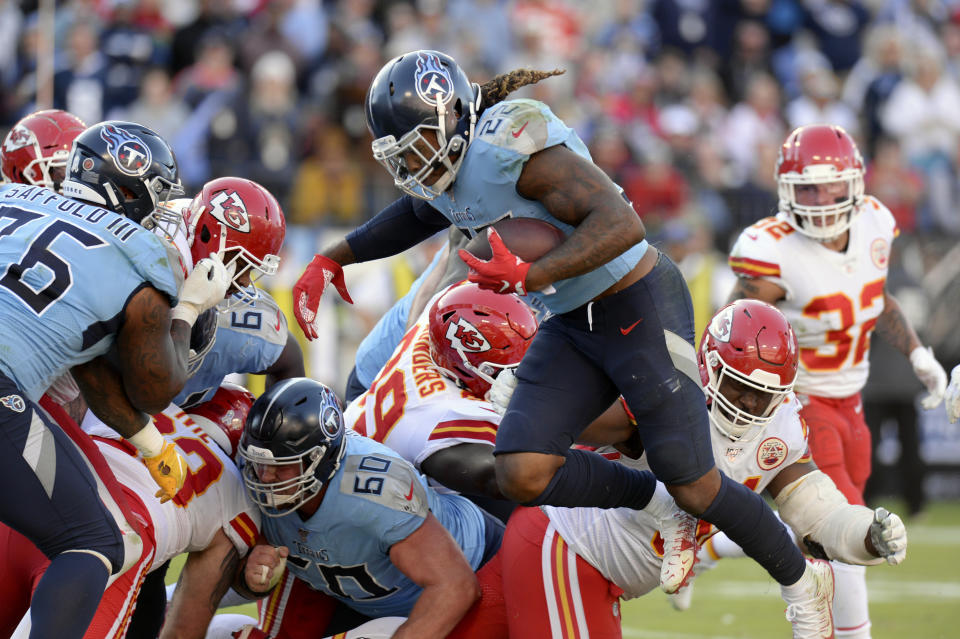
[
  {"x": 504, "y": 272},
  {"x": 308, "y": 289}
]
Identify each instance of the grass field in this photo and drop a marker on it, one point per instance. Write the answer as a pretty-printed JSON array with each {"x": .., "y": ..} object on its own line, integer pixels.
[{"x": 919, "y": 599}]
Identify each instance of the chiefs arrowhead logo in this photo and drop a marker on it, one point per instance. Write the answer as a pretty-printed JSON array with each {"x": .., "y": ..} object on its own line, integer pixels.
[
  {"x": 721, "y": 324},
  {"x": 227, "y": 207},
  {"x": 464, "y": 336},
  {"x": 19, "y": 137}
]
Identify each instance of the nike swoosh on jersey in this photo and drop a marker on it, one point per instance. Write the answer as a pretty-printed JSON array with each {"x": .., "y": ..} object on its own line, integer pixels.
[
  {"x": 409, "y": 495},
  {"x": 517, "y": 133}
]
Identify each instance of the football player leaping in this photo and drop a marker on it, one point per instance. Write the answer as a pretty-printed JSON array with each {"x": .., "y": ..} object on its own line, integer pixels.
[
  {"x": 822, "y": 260},
  {"x": 582, "y": 560}
]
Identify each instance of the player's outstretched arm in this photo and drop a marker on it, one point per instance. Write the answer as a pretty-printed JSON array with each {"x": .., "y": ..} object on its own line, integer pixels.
[
  {"x": 832, "y": 528},
  {"x": 431, "y": 559},
  {"x": 206, "y": 577}
]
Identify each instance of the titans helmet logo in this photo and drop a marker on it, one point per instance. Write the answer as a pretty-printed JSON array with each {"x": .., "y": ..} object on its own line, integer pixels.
[
  {"x": 228, "y": 208},
  {"x": 129, "y": 153},
  {"x": 331, "y": 422},
  {"x": 433, "y": 80}
]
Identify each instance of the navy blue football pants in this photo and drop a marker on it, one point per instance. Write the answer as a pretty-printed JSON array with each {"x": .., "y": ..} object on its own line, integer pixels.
[
  {"x": 50, "y": 494},
  {"x": 638, "y": 342}
]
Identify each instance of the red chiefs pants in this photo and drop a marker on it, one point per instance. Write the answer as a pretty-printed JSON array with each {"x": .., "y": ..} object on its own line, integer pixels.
[
  {"x": 840, "y": 442},
  {"x": 22, "y": 564},
  {"x": 547, "y": 590}
]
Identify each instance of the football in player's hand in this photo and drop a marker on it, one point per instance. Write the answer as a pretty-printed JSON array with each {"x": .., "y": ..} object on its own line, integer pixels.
[{"x": 528, "y": 238}]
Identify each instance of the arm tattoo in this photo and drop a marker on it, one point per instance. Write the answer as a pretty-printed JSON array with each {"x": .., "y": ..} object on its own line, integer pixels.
[
  {"x": 153, "y": 352},
  {"x": 894, "y": 328},
  {"x": 578, "y": 193}
]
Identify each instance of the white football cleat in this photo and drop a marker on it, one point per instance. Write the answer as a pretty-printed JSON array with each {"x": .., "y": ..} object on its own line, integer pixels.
[
  {"x": 681, "y": 599},
  {"x": 810, "y": 602},
  {"x": 679, "y": 533}
]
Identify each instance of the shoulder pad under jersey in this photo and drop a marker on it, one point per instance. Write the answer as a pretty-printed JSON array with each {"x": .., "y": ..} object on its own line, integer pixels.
[
  {"x": 756, "y": 252},
  {"x": 262, "y": 318},
  {"x": 522, "y": 126},
  {"x": 385, "y": 480}
]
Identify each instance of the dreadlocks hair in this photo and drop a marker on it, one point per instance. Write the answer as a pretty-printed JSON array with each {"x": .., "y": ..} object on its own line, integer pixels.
[{"x": 497, "y": 89}]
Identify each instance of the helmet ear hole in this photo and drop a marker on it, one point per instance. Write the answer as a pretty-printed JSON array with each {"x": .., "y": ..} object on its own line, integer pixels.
[{"x": 205, "y": 234}]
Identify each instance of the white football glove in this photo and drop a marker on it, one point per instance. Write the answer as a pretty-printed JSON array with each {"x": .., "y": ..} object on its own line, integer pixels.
[
  {"x": 204, "y": 288},
  {"x": 952, "y": 397},
  {"x": 889, "y": 536},
  {"x": 502, "y": 390},
  {"x": 931, "y": 373}
]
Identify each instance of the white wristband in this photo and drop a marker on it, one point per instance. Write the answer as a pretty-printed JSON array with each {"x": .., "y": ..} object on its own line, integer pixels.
[
  {"x": 148, "y": 441},
  {"x": 186, "y": 312}
]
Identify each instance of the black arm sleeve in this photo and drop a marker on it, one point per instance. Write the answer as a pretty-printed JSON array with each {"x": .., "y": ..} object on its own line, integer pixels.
[{"x": 405, "y": 223}]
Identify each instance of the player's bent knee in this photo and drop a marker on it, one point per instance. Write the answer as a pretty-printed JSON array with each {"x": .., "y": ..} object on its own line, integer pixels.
[
  {"x": 522, "y": 477},
  {"x": 697, "y": 496}
]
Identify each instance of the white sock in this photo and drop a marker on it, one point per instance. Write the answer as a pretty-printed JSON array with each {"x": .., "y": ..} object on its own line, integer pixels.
[
  {"x": 851, "y": 616},
  {"x": 723, "y": 548},
  {"x": 661, "y": 505}
]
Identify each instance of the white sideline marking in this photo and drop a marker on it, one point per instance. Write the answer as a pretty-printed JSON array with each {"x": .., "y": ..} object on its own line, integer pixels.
[
  {"x": 933, "y": 535},
  {"x": 881, "y": 590},
  {"x": 653, "y": 634}
]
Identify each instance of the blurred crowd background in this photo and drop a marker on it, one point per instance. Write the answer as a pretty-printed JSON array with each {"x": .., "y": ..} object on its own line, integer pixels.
[{"x": 682, "y": 102}]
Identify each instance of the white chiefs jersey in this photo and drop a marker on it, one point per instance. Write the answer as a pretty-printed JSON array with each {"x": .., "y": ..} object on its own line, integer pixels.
[
  {"x": 212, "y": 498},
  {"x": 414, "y": 409},
  {"x": 832, "y": 300},
  {"x": 625, "y": 545}
]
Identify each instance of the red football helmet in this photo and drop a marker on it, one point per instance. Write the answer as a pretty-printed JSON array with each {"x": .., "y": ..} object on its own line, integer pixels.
[
  {"x": 748, "y": 344},
  {"x": 35, "y": 150},
  {"x": 222, "y": 416},
  {"x": 241, "y": 221},
  {"x": 474, "y": 334},
  {"x": 817, "y": 155}
]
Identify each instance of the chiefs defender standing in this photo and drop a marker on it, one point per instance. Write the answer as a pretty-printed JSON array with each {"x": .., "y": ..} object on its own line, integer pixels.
[{"x": 822, "y": 260}]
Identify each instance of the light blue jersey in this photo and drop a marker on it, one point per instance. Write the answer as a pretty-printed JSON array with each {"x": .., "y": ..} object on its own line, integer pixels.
[
  {"x": 249, "y": 339},
  {"x": 68, "y": 270},
  {"x": 374, "y": 500},
  {"x": 505, "y": 137}
]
